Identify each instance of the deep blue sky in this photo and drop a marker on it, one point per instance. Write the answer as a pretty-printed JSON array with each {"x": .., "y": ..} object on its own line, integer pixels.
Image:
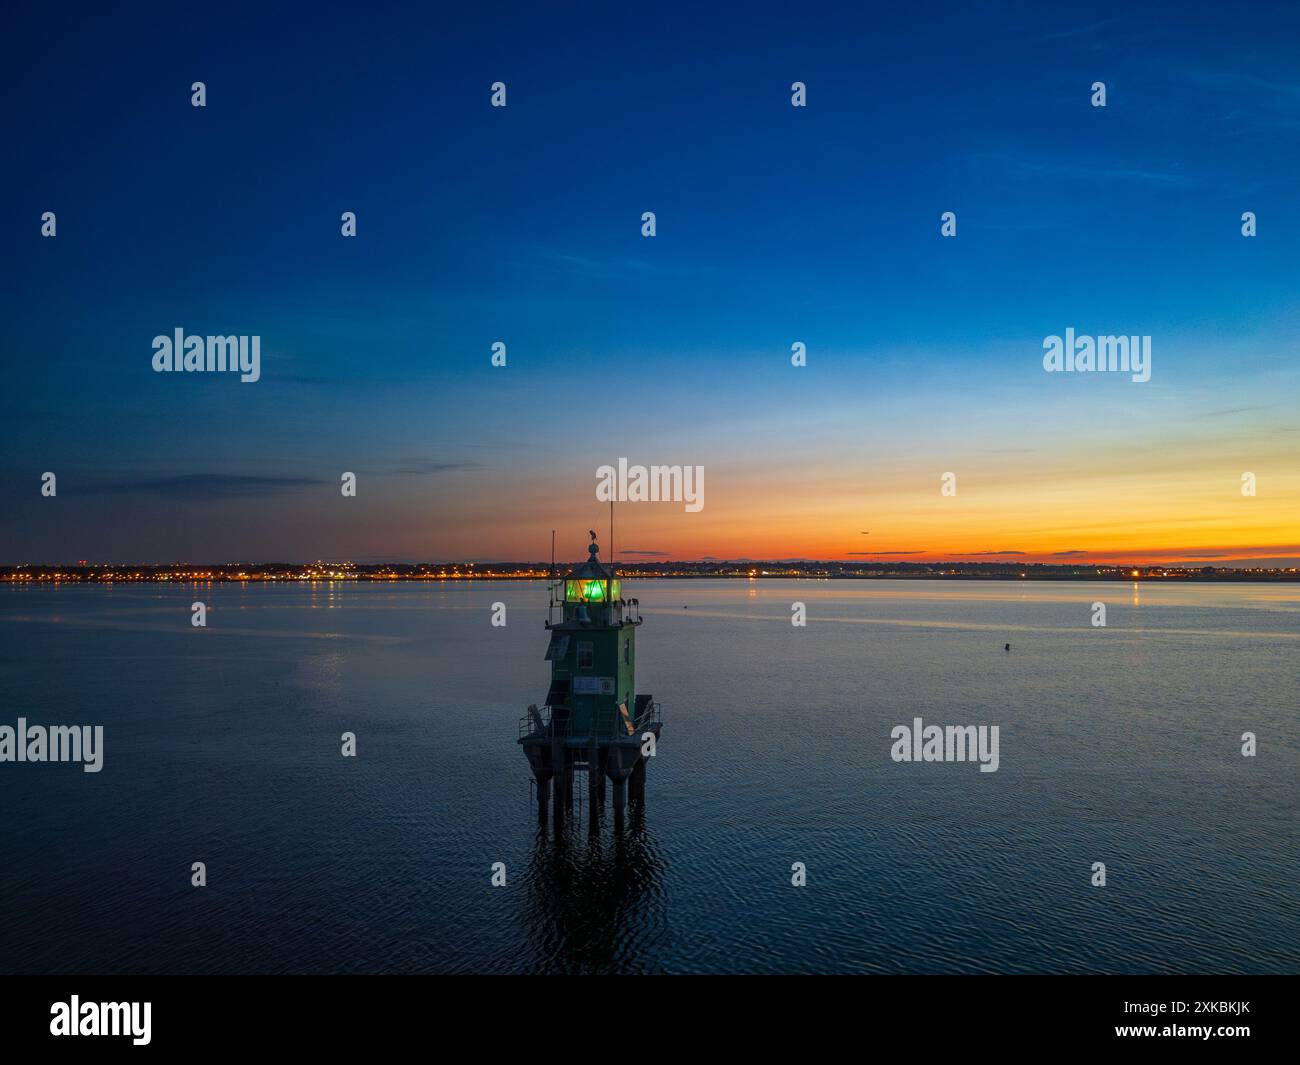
[{"x": 478, "y": 224}]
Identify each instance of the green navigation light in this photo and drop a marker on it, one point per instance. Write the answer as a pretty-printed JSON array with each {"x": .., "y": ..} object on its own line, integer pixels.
[{"x": 589, "y": 591}]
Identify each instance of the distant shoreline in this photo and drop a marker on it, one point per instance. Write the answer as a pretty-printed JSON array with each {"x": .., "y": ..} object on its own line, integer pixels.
[{"x": 275, "y": 572}]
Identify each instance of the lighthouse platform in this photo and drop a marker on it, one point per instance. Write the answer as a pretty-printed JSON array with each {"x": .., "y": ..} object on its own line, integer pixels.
[{"x": 616, "y": 753}]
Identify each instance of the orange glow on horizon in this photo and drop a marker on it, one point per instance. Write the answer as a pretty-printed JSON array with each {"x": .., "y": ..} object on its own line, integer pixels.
[{"x": 1184, "y": 515}]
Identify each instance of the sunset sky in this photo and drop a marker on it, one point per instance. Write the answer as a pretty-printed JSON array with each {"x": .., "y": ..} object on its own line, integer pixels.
[{"x": 775, "y": 225}]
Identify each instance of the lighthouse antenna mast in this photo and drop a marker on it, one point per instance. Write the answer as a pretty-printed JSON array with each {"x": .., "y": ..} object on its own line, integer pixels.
[{"x": 550, "y": 584}]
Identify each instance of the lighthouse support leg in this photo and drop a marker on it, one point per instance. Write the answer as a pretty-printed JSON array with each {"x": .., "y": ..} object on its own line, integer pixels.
[
  {"x": 557, "y": 780},
  {"x": 636, "y": 790},
  {"x": 568, "y": 781},
  {"x": 620, "y": 794},
  {"x": 543, "y": 799}
]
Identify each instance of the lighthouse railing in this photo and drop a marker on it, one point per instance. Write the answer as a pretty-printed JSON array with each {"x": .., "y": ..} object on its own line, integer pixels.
[
  {"x": 541, "y": 722},
  {"x": 555, "y": 590}
]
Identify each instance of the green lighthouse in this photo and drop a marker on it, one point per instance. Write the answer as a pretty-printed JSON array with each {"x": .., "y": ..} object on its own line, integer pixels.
[{"x": 593, "y": 720}]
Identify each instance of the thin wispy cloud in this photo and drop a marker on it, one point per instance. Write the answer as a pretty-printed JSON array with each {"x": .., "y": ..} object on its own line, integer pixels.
[
  {"x": 1230, "y": 410},
  {"x": 1083, "y": 31},
  {"x": 1019, "y": 166},
  {"x": 873, "y": 554},
  {"x": 612, "y": 267},
  {"x": 429, "y": 467},
  {"x": 205, "y": 486}
]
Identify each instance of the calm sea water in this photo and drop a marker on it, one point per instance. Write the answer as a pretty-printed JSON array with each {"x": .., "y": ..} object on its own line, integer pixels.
[{"x": 1119, "y": 745}]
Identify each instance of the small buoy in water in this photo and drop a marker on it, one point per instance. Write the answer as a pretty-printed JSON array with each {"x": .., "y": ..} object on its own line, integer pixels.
[{"x": 1008, "y": 647}]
